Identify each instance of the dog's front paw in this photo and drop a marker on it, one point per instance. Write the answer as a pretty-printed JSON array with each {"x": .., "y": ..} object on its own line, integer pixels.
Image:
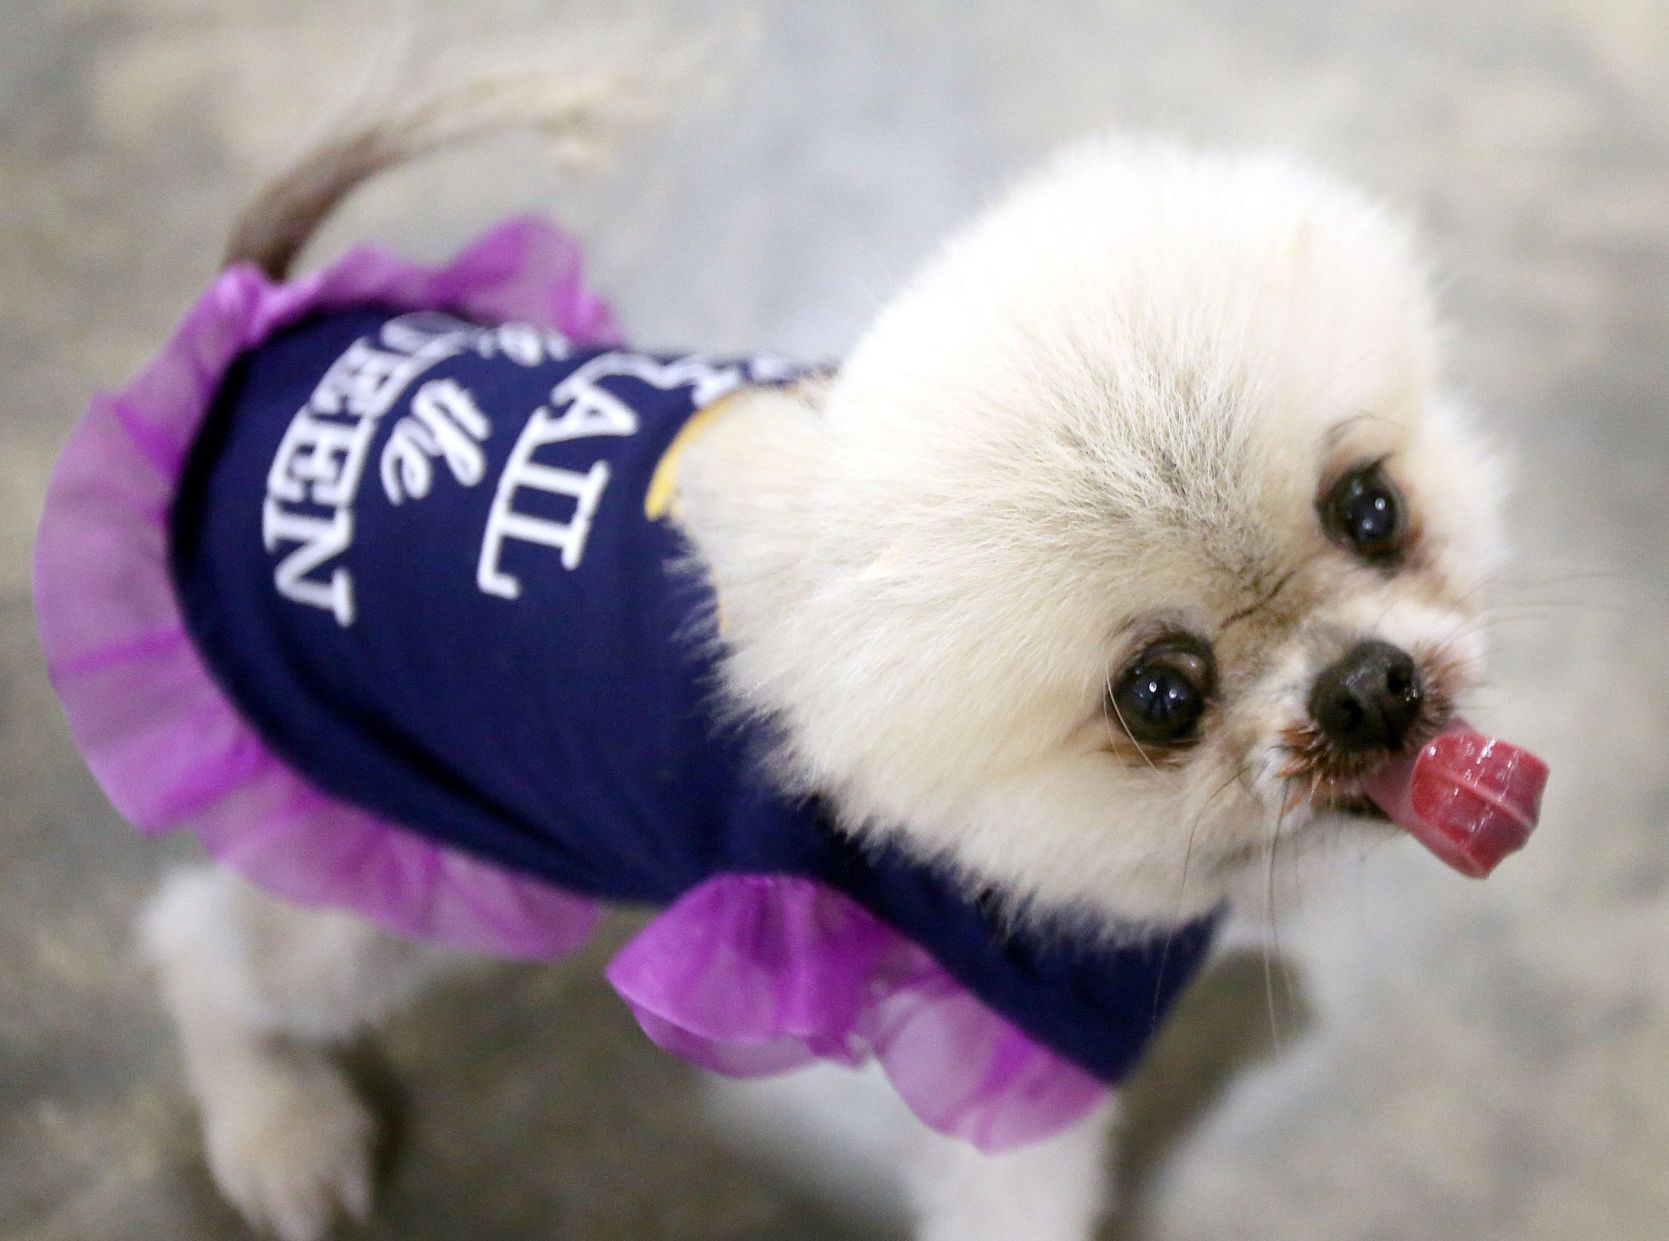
[{"x": 293, "y": 1150}]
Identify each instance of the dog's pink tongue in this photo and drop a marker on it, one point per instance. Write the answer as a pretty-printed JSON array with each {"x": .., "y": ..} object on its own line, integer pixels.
[{"x": 1468, "y": 798}]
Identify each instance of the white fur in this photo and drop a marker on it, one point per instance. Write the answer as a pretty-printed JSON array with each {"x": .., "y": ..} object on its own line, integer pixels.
[
  {"x": 848, "y": 1137},
  {"x": 259, "y": 992},
  {"x": 1052, "y": 1190},
  {"x": 1106, "y": 407},
  {"x": 1106, "y": 403}
]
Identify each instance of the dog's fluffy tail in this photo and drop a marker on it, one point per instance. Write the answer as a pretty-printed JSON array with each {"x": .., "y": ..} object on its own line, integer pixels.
[{"x": 582, "y": 104}]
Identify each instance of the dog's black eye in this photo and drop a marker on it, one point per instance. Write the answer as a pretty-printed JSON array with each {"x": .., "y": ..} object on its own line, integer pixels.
[
  {"x": 1364, "y": 512},
  {"x": 1161, "y": 694}
]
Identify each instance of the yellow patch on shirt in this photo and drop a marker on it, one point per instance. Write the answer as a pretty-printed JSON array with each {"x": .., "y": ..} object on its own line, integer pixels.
[{"x": 661, "y": 498}]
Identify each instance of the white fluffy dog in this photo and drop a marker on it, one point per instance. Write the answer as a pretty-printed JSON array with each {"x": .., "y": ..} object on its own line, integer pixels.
[{"x": 1052, "y": 579}]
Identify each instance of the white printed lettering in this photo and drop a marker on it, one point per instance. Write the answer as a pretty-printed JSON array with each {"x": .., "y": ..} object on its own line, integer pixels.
[
  {"x": 445, "y": 422},
  {"x": 316, "y": 472},
  {"x": 319, "y": 539},
  {"x": 319, "y": 462},
  {"x": 521, "y": 473},
  {"x": 587, "y": 409}
]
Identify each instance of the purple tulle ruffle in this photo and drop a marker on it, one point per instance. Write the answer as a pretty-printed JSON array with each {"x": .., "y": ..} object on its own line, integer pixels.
[
  {"x": 749, "y": 975},
  {"x": 164, "y": 742}
]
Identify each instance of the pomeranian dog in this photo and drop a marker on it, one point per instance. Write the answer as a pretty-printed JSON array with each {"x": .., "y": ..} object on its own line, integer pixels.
[{"x": 1135, "y": 537}]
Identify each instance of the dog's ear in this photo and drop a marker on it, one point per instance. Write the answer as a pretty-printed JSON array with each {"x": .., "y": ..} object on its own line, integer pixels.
[
  {"x": 779, "y": 404},
  {"x": 748, "y": 455},
  {"x": 750, "y": 487}
]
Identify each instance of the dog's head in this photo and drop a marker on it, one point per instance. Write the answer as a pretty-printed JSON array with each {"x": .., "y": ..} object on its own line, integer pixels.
[{"x": 1135, "y": 530}]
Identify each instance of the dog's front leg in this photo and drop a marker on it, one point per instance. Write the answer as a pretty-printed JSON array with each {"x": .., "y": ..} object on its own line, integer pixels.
[{"x": 1054, "y": 1190}]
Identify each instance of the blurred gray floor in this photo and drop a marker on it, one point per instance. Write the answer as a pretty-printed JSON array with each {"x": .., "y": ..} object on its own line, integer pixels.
[{"x": 1453, "y": 1060}]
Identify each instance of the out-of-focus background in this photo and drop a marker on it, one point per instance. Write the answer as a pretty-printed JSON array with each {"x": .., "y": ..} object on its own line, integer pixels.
[{"x": 1446, "y": 1060}]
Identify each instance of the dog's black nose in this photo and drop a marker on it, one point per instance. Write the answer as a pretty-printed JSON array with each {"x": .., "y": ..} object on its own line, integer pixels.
[{"x": 1369, "y": 699}]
